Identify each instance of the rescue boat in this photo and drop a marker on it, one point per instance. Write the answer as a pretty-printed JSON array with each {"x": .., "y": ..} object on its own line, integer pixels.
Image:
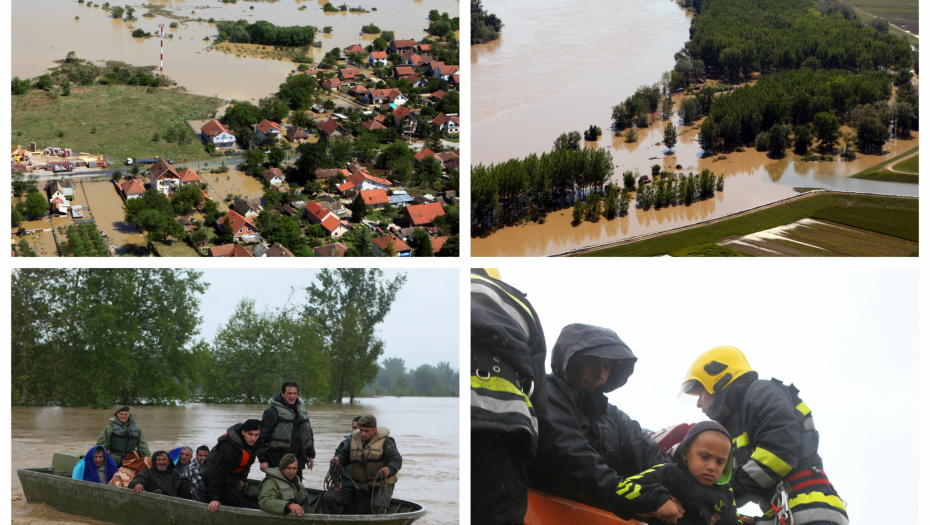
[
  {"x": 546, "y": 509},
  {"x": 54, "y": 487}
]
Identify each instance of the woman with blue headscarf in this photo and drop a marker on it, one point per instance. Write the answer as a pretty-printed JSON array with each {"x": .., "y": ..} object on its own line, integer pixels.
[{"x": 96, "y": 467}]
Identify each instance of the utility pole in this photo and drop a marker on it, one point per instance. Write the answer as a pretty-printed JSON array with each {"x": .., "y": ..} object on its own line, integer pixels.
[{"x": 161, "y": 31}]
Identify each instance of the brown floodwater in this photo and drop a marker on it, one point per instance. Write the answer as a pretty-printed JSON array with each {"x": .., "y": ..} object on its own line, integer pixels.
[
  {"x": 106, "y": 207},
  {"x": 594, "y": 73},
  {"x": 426, "y": 430},
  {"x": 233, "y": 182},
  {"x": 42, "y": 242},
  {"x": 46, "y": 30}
]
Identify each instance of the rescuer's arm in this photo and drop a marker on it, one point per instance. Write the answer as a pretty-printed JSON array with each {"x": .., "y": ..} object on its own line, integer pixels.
[
  {"x": 104, "y": 439},
  {"x": 143, "y": 447},
  {"x": 637, "y": 452},
  {"x": 392, "y": 458},
  {"x": 269, "y": 421}
]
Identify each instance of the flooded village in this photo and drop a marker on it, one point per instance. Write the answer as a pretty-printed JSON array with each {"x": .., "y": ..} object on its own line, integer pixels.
[
  {"x": 273, "y": 129},
  {"x": 601, "y": 64}
]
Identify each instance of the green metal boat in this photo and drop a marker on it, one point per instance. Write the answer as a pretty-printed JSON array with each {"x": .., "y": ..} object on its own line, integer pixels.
[{"x": 55, "y": 488}]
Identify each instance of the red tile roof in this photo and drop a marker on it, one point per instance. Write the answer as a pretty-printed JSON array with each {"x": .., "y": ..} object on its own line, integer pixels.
[
  {"x": 373, "y": 197},
  {"x": 423, "y": 214},
  {"x": 295, "y": 133},
  {"x": 399, "y": 245},
  {"x": 230, "y": 250},
  {"x": 354, "y": 48},
  {"x": 332, "y": 83},
  {"x": 161, "y": 170},
  {"x": 401, "y": 112},
  {"x": 278, "y": 250},
  {"x": 373, "y": 125},
  {"x": 403, "y": 71},
  {"x": 378, "y": 54},
  {"x": 328, "y": 250},
  {"x": 266, "y": 125},
  {"x": 349, "y": 73},
  {"x": 270, "y": 173},
  {"x": 214, "y": 128},
  {"x": 330, "y": 126},
  {"x": 240, "y": 225},
  {"x": 437, "y": 96},
  {"x": 188, "y": 175},
  {"x": 425, "y": 152},
  {"x": 132, "y": 187},
  {"x": 358, "y": 178},
  {"x": 404, "y": 43},
  {"x": 437, "y": 243},
  {"x": 320, "y": 173},
  {"x": 330, "y": 223}
]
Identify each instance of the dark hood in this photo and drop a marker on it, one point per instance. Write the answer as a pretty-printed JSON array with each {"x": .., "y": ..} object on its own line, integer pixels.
[
  {"x": 234, "y": 436},
  {"x": 577, "y": 340},
  {"x": 700, "y": 428},
  {"x": 170, "y": 462}
]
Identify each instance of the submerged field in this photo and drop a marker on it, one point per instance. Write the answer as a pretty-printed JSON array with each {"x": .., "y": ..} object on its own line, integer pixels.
[
  {"x": 118, "y": 121},
  {"x": 892, "y": 221}
]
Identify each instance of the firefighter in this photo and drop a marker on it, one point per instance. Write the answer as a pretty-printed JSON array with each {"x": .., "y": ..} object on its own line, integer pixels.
[
  {"x": 508, "y": 396},
  {"x": 774, "y": 438}
]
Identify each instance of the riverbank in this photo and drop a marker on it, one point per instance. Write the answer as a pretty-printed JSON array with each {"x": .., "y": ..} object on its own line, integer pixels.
[
  {"x": 693, "y": 240},
  {"x": 117, "y": 120},
  {"x": 903, "y": 168}
]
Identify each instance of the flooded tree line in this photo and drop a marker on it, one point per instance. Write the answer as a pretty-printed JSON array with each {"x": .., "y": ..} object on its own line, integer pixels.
[{"x": 95, "y": 337}]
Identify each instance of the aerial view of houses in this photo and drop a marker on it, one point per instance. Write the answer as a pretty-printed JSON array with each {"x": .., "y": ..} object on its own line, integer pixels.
[{"x": 353, "y": 153}]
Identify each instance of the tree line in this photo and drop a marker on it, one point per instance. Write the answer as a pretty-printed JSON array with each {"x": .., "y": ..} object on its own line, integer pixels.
[
  {"x": 265, "y": 33},
  {"x": 485, "y": 26},
  {"x": 95, "y": 337},
  {"x": 394, "y": 379}
]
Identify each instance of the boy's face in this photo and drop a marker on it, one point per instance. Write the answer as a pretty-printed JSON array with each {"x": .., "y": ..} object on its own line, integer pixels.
[{"x": 707, "y": 457}]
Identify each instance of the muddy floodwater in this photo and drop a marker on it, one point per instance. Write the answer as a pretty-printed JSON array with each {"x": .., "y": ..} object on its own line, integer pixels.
[
  {"x": 46, "y": 30},
  {"x": 233, "y": 182},
  {"x": 606, "y": 49},
  {"x": 107, "y": 209},
  {"x": 426, "y": 430}
]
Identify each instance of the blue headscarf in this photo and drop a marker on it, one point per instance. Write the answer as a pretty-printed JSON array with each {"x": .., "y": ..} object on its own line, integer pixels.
[{"x": 90, "y": 468}]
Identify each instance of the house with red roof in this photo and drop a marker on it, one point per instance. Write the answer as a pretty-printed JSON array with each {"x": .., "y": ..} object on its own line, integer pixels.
[
  {"x": 376, "y": 198},
  {"x": 320, "y": 173},
  {"x": 437, "y": 96},
  {"x": 188, "y": 177},
  {"x": 377, "y": 58},
  {"x": 218, "y": 134},
  {"x": 358, "y": 90},
  {"x": 331, "y": 128},
  {"x": 316, "y": 214},
  {"x": 373, "y": 125},
  {"x": 243, "y": 229},
  {"x": 274, "y": 176},
  {"x": 449, "y": 160},
  {"x": 296, "y": 135},
  {"x": 402, "y": 71},
  {"x": 230, "y": 250},
  {"x": 445, "y": 72},
  {"x": 163, "y": 177},
  {"x": 131, "y": 189},
  {"x": 349, "y": 74},
  {"x": 422, "y": 214},
  {"x": 437, "y": 244},
  {"x": 332, "y": 84},
  {"x": 336, "y": 249},
  {"x": 361, "y": 180},
  {"x": 380, "y": 246},
  {"x": 383, "y": 96},
  {"x": 354, "y": 48},
  {"x": 399, "y": 46},
  {"x": 446, "y": 123},
  {"x": 405, "y": 120},
  {"x": 423, "y": 48},
  {"x": 425, "y": 152},
  {"x": 267, "y": 128}
]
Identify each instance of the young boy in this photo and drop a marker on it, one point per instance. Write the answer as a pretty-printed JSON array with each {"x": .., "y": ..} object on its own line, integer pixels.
[{"x": 698, "y": 479}]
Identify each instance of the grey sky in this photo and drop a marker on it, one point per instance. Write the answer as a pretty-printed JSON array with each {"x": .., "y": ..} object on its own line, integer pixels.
[
  {"x": 422, "y": 327},
  {"x": 848, "y": 339}
]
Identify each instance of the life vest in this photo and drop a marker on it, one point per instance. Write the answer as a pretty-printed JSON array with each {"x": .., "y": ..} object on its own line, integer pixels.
[
  {"x": 245, "y": 459},
  {"x": 292, "y": 491},
  {"x": 284, "y": 430},
  {"x": 367, "y": 460},
  {"x": 125, "y": 438}
]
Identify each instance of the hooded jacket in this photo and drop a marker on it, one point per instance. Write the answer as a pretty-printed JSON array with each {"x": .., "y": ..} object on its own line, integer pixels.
[
  {"x": 228, "y": 463},
  {"x": 301, "y": 433},
  {"x": 274, "y": 491},
  {"x": 588, "y": 446},
  {"x": 775, "y": 439},
  {"x": 505, "y": 328},
  {"x": 87, "y": 470},
  {"x": 122, "y": 438},
  {"x": 650, "y": 489},
  {"x": 169, "y": 482}
]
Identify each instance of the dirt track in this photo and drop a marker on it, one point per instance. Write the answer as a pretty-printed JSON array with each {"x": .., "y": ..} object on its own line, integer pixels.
[{"x": 891, "y": 167}]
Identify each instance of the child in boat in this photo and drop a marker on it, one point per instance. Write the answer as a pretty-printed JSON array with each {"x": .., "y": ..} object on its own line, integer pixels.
[{"x": 698, "y": 479}]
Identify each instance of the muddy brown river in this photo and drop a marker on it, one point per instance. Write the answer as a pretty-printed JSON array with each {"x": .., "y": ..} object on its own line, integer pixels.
[
  {"x": 45, "y": 30},
  {"x": 596, "y": 71},
  {"x": 426, "y": 430}
]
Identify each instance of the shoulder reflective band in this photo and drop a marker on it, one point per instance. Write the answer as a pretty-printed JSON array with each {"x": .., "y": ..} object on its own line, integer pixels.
[
  {"x": 498, "y": 384},
  {"x": 758, "y": 475},
  {"x": 802, "y": 408},
  {"x": 473, "y": 276},
  {"x": 771, "y": 461},
  {"x": 741, "y": 440}
]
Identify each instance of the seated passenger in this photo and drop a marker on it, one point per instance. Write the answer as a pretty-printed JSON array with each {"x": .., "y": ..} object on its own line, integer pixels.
[
  {"x": 588, "y": 446},
  {"x": 698, "y": 479},
  {"x": 122, "y": 436},
  {"x": 162, "y": 479},
  {"x": 183, "y": 462},
  {"x": 227, "y": 467},
  {"x": 195, "y": 471},
  {"x": 132, "y": 466},
  {"x": 282, "y": 491},
  {"x": 97, "y": 466}
]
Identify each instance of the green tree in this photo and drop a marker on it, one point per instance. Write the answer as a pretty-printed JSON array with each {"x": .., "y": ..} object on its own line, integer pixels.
[
  {"x": 36, "y": 205},
  {"x": 778, "y": 139},
  {"x": 826, "y": 129},
  {"x": 358, "y": 208},
  {"x": 670, "y": 137},
  {"x": 870, "y": 134},
  {"x": 430, "y": 170},
  {"x": 802, "y": 138},
  {"x": 422, "y": 245},
  {"x": 347, "y": 304},
  {"x": 254, "y": 157}
]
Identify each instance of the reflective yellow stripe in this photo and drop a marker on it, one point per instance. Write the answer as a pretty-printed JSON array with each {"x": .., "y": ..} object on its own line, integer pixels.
[
  {"x": 499, "y": 385},
  {"x": 623, "y": 488},
  {"x": 634, "y": 494},
  {"x": 473, "y": 276},
  {"x": 817, "y": 497},
  {"x": 641, "y": 474},
  {"x": 771, "y": 461},
  {"x": 802, "y": 408},
  {"x": 742, "y": 440}
]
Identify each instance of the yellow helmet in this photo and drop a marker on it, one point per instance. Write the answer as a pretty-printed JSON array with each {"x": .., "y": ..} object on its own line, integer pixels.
[
  {"x": 715, "y": 369},
  {"x": 493, "y": 273}
]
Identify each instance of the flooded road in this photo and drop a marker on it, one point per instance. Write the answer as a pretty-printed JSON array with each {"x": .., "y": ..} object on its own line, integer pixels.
[
  {"x": 107, "y": 209},
  {"x": 600, "y": 64},
  {"x": 98, "y": 37},
  {"x": 426, "y": 430}
]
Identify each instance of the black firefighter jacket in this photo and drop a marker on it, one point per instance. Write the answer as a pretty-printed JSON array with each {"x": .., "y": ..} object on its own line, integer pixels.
[
  {"x": 774, "y": 437},
  {"x": 588, "y": 446},
  {"x": 504, "y": 325}
]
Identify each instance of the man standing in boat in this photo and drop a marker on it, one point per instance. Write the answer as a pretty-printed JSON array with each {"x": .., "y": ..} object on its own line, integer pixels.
[
  {"x": 286, "y": 430},
  {"x": 369, "y": 461},
  {"x": 773, "y": 432},
  {"x": 227, "y": 468},
  {"x": 588, "y": 446},
  {"x": 123, "y": 436},
  {"x": 508, "y": 396}
]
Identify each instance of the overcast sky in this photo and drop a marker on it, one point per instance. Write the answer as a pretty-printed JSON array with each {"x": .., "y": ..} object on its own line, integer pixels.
[
  {"x": 422, "y": 327},
  {"x": 848, "y": 339}
]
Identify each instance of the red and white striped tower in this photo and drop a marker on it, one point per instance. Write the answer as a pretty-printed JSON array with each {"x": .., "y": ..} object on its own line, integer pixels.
[{"x": 161, "y": 31}]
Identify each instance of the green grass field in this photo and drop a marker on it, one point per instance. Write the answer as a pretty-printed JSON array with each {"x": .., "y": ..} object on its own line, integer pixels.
[
  {"x": 911, "y": 165},
  {"x": 897, "y": 223},
  {"x": 878, "y": 173},
  {"x": 697, "y": 240},
  {"x": 117, "y": 121},
  {"x": 902, "y": 13}
]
